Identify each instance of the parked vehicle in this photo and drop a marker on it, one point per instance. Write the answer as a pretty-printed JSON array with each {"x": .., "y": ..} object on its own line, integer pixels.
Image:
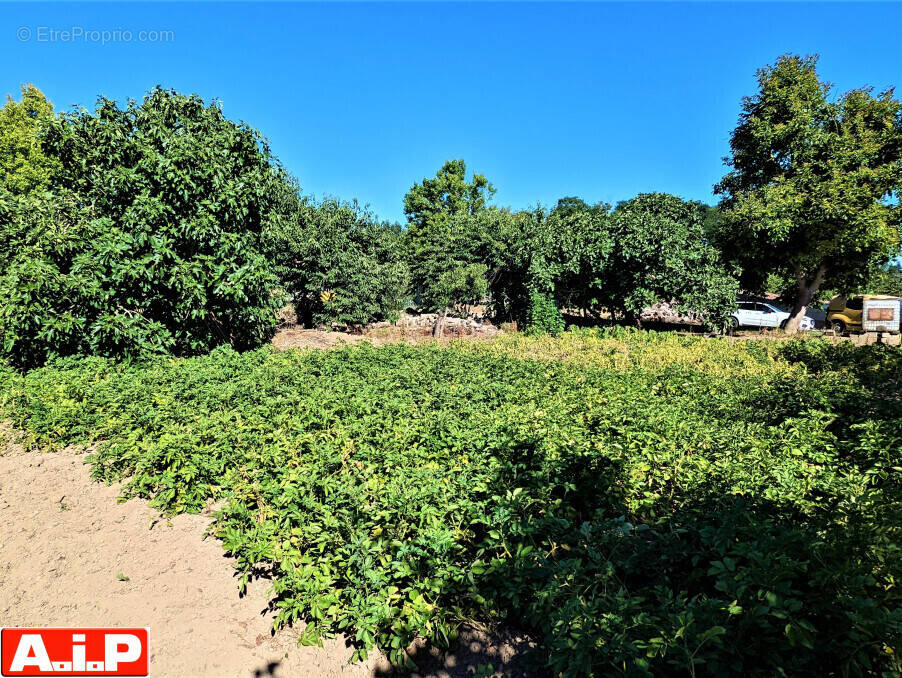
[
  {"x": 759, "y": 314},
  {"x": 864, "y": 313}
]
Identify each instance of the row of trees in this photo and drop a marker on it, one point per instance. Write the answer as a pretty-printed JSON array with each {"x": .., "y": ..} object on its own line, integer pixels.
[
  {"x": 577, "y": 256},
  {"x": 164, "y": 227}
]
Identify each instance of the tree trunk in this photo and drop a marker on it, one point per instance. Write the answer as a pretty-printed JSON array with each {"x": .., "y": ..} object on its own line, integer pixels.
[
  {"x": 439, "y": 329},
  {"x": 805, "y": 291}
]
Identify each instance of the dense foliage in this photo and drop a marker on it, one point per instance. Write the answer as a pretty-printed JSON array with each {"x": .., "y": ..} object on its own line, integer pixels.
[
  {"x": 643, "y": 503},
  {"x": 544, "y": 316},
  {"x": 809, "y": 195},
  {"x": 164, "y": 227},
  {"x": 24, "y": 167},
  {"x": 539, "y": 254},
  {"x": 149, "y": 241},
  {"x": 660, "y": 252},
  {"x": 338, "y": 263},
  {"x": 888, "y": 280},
  {"x": 652, "y": 248}
]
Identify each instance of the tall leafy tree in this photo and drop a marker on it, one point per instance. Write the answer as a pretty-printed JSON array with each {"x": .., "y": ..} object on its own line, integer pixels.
[
  {"x": 445, "y": 269},
  {"x": 810, "y": 193},
  {"x": 24, "y": 167},
  {"x": 152, "y": 240},
  {"x": 512, "y": 245},
  {"x": 541, "y": 258},
  {"x": 583, "y": 244}
]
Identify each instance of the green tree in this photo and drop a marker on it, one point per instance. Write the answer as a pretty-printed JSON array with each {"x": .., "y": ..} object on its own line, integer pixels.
[
  {"x": 582, "y": 244},
  {"x": 339, "y": 263},
  {"x": 151, "y": 242},
  {"x": 809, "y": 195},
  {"x": 540, "y": 260},
  {"x": 442, "y": 253},
  {"x": 24, "y": 167},
  {"x": 512, "y": 245},
  {"x": 888, "y": 280},
  {"x": 660, "y": 253}
]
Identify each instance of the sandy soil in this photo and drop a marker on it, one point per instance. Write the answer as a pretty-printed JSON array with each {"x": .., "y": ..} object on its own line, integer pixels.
[{"x": 71, "y": 555}]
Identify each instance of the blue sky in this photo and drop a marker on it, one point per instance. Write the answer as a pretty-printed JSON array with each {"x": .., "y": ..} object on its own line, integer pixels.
[{"x": 598, "y": 100}]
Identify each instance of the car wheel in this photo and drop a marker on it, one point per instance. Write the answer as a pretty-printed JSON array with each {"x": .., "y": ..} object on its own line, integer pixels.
[
  {"x": 733, "y": 324},
  {"x": 838, "y": 326}
]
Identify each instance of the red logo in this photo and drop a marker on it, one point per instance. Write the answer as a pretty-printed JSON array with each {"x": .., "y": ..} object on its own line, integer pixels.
[{"x": 73, "y": 652}]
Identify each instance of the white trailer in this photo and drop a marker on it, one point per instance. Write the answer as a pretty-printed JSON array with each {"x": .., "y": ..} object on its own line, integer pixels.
[{"x": 880, "y": 315}]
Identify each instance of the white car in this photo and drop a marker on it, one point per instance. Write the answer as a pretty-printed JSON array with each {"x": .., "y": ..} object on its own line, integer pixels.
[{"x": 758, "y": 314}]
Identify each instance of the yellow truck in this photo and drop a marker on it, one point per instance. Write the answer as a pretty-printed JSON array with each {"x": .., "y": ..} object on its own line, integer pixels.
[{"x": 864, "y": 313}]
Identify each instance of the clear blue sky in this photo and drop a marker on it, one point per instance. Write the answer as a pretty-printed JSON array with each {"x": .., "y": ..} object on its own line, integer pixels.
[{"x": 360, "y": 100}]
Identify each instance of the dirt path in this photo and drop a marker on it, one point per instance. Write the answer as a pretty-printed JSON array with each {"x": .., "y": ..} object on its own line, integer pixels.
[{"x": 71, "y": 555}]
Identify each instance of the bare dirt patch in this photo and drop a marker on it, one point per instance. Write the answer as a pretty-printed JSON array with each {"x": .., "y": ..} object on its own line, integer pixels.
[
  {"x": 71, "y": 555},
  {"x": 298, "y": 337},
  {"x": 410, "y": 329}
]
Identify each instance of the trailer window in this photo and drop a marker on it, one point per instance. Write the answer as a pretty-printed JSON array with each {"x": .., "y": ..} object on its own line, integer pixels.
[{"x": 881, "y": 314}]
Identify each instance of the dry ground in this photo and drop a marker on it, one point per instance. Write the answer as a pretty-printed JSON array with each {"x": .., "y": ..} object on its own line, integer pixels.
[
  {"x": 293, "y": 336},
  {"x": 71, "y": 555}
]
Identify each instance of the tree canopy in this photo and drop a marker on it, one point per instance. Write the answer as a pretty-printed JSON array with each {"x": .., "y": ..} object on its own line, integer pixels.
[
  {"x": 161, "y": 226},
  {"x": 661, "y": 254},
  {"x": 809, "y": 193},
  {"x": 339, "y": 263},
  {"x": 888, "y": 280},
  {"x": 652, "y": 248}
]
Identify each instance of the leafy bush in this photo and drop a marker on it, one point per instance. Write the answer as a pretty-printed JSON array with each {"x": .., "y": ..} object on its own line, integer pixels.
[
  {"x": 544, "y": 316},
  {"x": 649, "y": 249},
  {"x": 619, "y": 493},
  {"x": 662, "y": 253},
  {"x": 149, "y": 242},
  {"x": 447, "y": 271}
]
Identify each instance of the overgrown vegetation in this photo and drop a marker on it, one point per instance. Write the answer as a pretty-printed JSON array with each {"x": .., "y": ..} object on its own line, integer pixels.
[
  {"x": 24, "y": 167},
  {"x": 544, "y": 316},
  {"x": 338, "y": 262},
  {"x": 645, "y": 504}
]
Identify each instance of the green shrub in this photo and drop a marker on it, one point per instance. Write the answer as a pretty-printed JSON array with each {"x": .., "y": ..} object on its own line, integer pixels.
[
  {"x": 543, "y": 315},
  {"x": 618, "y": 494}
]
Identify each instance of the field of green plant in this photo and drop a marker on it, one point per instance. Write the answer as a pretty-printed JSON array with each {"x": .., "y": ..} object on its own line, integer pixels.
[{"x": 641, "y": 503}]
